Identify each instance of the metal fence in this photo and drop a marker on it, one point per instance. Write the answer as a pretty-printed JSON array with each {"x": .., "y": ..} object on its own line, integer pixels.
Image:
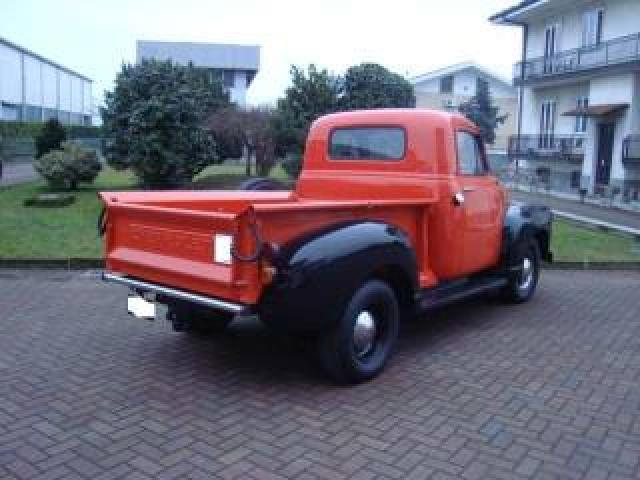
[{"x": 618, "y": 50}]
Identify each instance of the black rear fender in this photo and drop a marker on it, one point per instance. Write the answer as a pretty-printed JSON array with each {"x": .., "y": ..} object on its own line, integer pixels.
[{"x": 319, "y": 272}]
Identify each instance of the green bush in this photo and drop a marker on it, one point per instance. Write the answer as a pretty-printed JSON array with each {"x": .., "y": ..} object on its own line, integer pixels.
[
  {"x": 155, "y": 121},
  {"x": 50, "y": 137},
  {"x": 10, "y": 129},
  {"x": 68, "y": 167}
]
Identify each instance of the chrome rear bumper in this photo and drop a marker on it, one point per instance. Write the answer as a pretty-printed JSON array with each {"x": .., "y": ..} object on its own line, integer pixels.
[{"x": 235, "y": 308}]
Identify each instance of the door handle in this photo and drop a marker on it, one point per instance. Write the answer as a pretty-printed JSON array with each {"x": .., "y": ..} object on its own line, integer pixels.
[
  {"x": 458, "y": 199},
  {"x": 468, "y": 189}
]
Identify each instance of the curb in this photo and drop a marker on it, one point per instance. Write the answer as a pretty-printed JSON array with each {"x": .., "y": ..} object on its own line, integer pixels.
[
  {"x": 52, "y": 263},
  {"x": 98, "y": 263},
  {"x": 611, "y": 266}
]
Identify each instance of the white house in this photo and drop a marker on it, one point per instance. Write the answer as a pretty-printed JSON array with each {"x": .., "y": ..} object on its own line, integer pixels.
[
  {"x": 34, "y": 88},
  {"x": 447, "y": 88},
  {"x": 579, "y": 81},
  {"x": 236, "y": 65}
]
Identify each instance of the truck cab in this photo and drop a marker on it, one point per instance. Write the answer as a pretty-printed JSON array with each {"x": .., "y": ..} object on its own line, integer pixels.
[{"x": 395, "y": 212}]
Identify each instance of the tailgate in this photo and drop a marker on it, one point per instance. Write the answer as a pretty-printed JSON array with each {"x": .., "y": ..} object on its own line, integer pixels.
[{"x": 174, "y": 246}]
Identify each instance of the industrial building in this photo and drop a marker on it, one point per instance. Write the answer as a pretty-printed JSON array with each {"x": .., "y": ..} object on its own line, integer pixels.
[
  {"x": 34, "y": 88},
  {"x": 235, "y": 65}
]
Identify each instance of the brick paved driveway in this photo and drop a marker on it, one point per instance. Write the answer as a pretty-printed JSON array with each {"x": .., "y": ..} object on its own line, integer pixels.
[{"x": 546, "y": 390}]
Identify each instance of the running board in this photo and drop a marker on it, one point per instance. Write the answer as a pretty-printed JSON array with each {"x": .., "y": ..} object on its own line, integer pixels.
[{"x": 457, "y": 290}]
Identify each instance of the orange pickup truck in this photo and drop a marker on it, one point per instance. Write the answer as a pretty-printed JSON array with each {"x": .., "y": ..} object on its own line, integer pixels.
[{"x": 395, "y": 212}]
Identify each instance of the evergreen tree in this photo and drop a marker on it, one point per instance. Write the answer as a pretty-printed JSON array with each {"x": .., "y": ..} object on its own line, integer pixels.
[{"x": 481, "y": 111}]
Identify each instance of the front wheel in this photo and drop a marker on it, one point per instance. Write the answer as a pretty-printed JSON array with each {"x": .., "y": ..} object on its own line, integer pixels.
[
  {"x": 524, "y": 274},
  {"x": 358, "y": 346}
]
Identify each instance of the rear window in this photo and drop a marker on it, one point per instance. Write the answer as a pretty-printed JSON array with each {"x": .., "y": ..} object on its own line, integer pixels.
[{"x": 367, "y": 143}]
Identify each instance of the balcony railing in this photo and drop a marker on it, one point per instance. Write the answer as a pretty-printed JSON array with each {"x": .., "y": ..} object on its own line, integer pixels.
[
  {"x": 547, "y": 145},
  {"x": 631, "y": 150},
  {"x": 617, "y": 51}
]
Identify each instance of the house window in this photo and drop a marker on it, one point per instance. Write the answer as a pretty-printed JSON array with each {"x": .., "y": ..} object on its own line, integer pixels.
[
  {"x": 228, "y": 78},
  {"x": 592, "y": 27},
  {"x": 550, "y": 47},
  {"x": 581, "y": 120},
  {"x": 547, "y": 124},
  {"x": 446, "y": 84}
]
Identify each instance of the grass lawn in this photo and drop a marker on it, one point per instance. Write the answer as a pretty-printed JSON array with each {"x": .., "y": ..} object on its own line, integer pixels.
[
  {"x": 36, "y": 232},
  {"x": 65, "y": 232},
  {"x": 572, "y": 243},
  {"x": 70, "y": 232}
]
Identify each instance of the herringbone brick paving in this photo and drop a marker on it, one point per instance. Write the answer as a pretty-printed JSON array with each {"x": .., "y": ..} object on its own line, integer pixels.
[{"x": 478, "y": 391}]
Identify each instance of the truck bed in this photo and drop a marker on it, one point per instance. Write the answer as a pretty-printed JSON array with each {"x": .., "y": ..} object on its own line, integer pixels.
[{"x": 167, "y": 237}]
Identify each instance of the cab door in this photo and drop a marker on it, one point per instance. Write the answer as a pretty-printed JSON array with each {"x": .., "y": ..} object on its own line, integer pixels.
[{"x": 481, "y": 200}]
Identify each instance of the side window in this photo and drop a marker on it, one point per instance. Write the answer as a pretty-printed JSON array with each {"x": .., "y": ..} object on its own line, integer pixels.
[{"x": 471, "y": 159}]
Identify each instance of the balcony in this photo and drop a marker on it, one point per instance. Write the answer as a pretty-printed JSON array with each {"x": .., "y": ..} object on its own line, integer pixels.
[
  {"x": 616, "y": 52},
  {"x": 568, "y": 147},
  {"x": 631, "y": 150}
]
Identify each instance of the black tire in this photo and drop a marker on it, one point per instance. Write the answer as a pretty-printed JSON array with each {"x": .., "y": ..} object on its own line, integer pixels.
[
  {"x": 261, "y": 184},
  {"x": 346, "y": 356},
  {"x": 524, "y": 263},
  {"x": 196, "y": 319}
]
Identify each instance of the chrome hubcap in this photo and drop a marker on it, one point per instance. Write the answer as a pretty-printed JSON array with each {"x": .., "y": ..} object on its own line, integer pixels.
[
  {"x": 526, "y": 277},
  {"x": 364, "y": 333}
]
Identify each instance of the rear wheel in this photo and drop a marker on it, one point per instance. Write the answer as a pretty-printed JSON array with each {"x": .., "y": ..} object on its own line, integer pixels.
[
  {"x": 360, "y": 343},
  {"x": 197, "y": 319},
  {"x": 523, "y": 279}
]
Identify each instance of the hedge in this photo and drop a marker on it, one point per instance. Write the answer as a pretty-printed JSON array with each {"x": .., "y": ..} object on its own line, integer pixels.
[{"x": 11, "y": 129}]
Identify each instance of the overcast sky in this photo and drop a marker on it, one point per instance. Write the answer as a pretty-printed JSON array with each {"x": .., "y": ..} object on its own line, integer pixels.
[{"x": 407, "y": 36}]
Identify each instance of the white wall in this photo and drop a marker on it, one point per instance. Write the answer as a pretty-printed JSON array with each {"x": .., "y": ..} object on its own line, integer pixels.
[
  {"x": 621, "y": 18},
  {"x": 87, "y": 102},
  {"x": 238, "y": 93},
  {"x": 64, "y": 84},
  {"x": 76, "y": 95},
  {"x": 49, "y": 86},
  {"x": 565, "y": 98},
  {"x": 10, "y": 75},
  {"x": 32, "y": 81},
  {"x": 45, "y": 85}
]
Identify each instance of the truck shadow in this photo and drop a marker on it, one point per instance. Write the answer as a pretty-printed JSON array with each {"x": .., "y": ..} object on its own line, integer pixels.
[{"x": 250, "y": 352}]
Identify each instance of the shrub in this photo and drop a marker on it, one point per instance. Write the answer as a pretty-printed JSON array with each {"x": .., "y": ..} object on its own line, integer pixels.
[
  {"x": 68, "y": 167},
  {"x": 50, "y": 137}
]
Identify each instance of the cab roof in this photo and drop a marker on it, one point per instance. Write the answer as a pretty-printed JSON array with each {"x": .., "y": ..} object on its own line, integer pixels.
[{"x": 393, "y": 116}]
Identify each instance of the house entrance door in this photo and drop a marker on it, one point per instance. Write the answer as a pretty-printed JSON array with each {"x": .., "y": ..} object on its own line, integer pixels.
[{"x": 605, "y": 153}]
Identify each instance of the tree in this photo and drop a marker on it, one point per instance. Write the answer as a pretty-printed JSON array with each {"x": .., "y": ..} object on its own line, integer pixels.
[
  {"x": 317, "y": 92},
  {"x": 155, "y": 121},
  {"x": 50, "y": 137},
  {"x": 312, "y": 93},
  {"x": 370, "y": 85},
  {"x": 481, "y": 111},
  {"x": 253, "y": 129}
]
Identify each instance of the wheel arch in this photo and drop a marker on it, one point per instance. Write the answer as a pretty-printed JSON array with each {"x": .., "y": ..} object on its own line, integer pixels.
[
  {"x": 318, "y": 272},
  {"x": 528, "y": 222}
]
